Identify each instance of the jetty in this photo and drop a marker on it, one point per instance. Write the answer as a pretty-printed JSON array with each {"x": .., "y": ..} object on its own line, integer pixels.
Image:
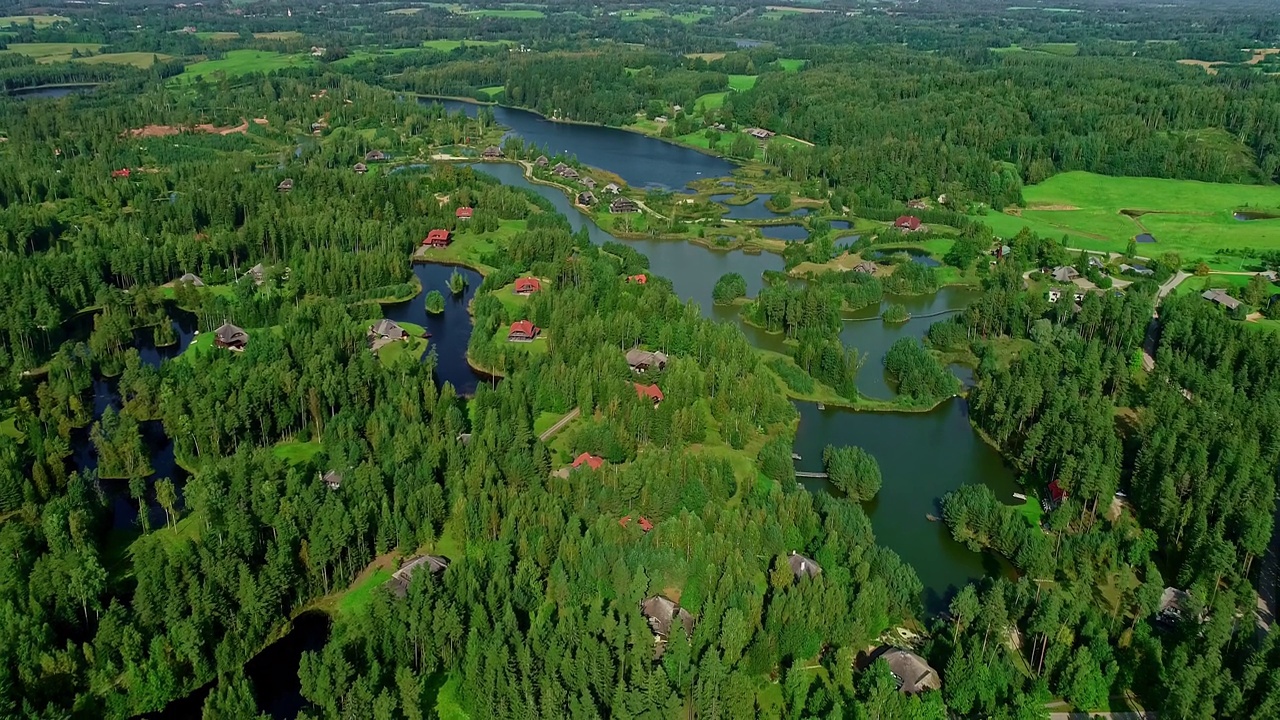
[{"x": 800, "y": 474}]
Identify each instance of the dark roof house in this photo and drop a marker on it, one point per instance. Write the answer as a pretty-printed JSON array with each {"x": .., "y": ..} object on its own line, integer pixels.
[
  {"x": 386, "y": 330},
  {"x": 586, "y": 199},
  {"x": 399, "y": 582},
  {"x": 913, "y": 673},
  {"x": 285, "y": 185},
  {"x": 230, "y": 337},
  {"x": 257, "y": 273},
  {"x": 1222, "y": 298},
  {"x": 802, "y": 566},
  {"x": 192, "y": 279},
  {"x": 375, "y": 156},
  {"x": 1065, "y": 273},
  {"x": 333, "y": 479},
  {"x": 541, "y": 161},
  {"x": 623, "y": 205},
  {"x": 360, "y": 168},
  {"x": 492, "y": 152},
  {"x": 589, "y": 182},
  {"x": 645, "y": 360},
  {"x": 661, "y": 612}
]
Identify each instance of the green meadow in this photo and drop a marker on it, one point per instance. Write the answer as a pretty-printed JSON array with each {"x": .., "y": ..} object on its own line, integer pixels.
[
  {"x": 512, "y": 14},
  {"x": 742, "y": 82},
  {"x": 51, "y": 52},
  {"x": 1193, "y": 218},
  {"x": 136, "y": 59},
  {"x": 791, "y": 64},
  {"x": 451, "y": 45},
  {"x": 242, "y": 62},
  {"x": 39, "y": 21}
]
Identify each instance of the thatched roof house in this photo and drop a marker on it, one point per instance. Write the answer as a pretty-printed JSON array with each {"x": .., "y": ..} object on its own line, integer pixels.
[
  {"x": 802, "y": 566},
  {"x": 645, "y": 360},
  {"x": 661, "y": 612},
  {"x": 230, "y": 337},
  {"x": 913, "y": 673}
]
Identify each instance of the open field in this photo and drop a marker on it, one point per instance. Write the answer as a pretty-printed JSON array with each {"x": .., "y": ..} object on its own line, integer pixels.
[
  {"x": 493, "y": 91},
  {"x": 279, "y": 35},
  {"x": 709, "y": 102},
  {"x": 242, "y": 62},
  {"x": 791, "y": 64},
  {"x": 39, "y": 21},
  {"x": 136, "y": 59},
  {"x": 1060, "y": 49},
  {"x": 218, "y": 35},
  {"x": 511, "y": 14},
  {"x": 1197, "y": 285},
  {"x": 451, "y": 45},
  {"x": 742, "y": 82},
  {"x": 51, "y": 52},
  {"x": 1185, "y": 216},
  {"x": 688, "y": 18},
  {"x": 295, "y": 453}
]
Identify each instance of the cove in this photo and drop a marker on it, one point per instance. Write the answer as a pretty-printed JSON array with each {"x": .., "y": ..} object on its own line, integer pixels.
[
  {"x": 450, "y": 330},
  {"x": 922, "y": 457},
  {"x": 642, "y": 161}
]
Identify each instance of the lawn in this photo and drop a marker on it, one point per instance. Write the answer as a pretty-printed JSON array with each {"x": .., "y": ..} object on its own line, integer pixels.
[
  {"x": 39, "y": 21},
  {"x": 9, "y": 426},
  {"x": 51, "y": 52},
  {"x": 451, "y": 45},
  {"x": 709, "y": 102},
  {"x": 242, "y": 62},
  {"x": 359, "y": 595},
  {"x": 545, "y": 421},
  {"x": 1185, "y": 216},
  {"x": 218, "y": 35},
  {"x": 742, "y": 82},
  {"x": 1197, "y": 285},
  {"x": 136, "y": 59},
  {"x": 493, "y": 91},
  {"x": 279, "y": 35},
  {"x": 791, "y": 64},
  {"x": 1031, "y": 510},
  {"x": 469, "y": 249},
  {"x": 414, "y": 348},
  {"x": 448, "y": 707},
  {"x": 510, "y": 300}
]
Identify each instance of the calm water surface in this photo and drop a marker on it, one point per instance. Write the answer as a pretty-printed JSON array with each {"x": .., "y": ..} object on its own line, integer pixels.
[{"x": 450, "y": 330}]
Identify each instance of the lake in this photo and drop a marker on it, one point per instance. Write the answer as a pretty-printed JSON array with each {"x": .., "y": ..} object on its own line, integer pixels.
[
  {"x": 450, "y": 330},
  {"x": 44, "y": 92},
  {"x": 642, "y": 161}
]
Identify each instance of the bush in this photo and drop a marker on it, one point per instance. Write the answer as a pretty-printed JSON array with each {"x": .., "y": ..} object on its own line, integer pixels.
[
  {"x": 434, "y": 302},
  {"x": 896, "y": 313}
]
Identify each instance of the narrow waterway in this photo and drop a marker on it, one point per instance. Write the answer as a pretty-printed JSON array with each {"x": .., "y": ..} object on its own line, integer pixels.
[{"x": 450, "y": 330}]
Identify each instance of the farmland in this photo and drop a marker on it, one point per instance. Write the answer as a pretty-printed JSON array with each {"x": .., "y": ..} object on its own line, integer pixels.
[
  {"x": 242, "y": 62},
  {"x": 1193, "y": 218},
  {"x": 52, "y": 52},
  {"x": 39, "y": 21}
]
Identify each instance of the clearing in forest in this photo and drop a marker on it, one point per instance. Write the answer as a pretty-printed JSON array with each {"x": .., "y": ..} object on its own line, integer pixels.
[
  {"x": 136, "y": 59},
  {"x": 742, "y": 82},
  {"x": 39, "y": 21},
  {"x": 1196, "y": 219},
  {"x": 51, "y": 52},
  {"x": 242, "y": 62}
]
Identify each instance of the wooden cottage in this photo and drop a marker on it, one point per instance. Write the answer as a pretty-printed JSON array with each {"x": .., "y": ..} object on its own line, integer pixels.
[
  {"x": 493, "y": 152},
  {"x": 360, "y": 168},
  {"x": 257, "y": 273},
  {"x": 802, "y": 566},
  {"x": 542, "y": 161},
  {"x": 332, "y": 479},
  {"x": 285, "y": 185},
  {"x": 623, "y": 205},
  {"x": 434, "y": 564},
  {"x": 612, "y": 188},
  {"x": 438, "y": 238},
  {"x": 528, "y": 285},
  {"x": 559, "y": 168},
  {"x": 569, "y": 174},
  {"x": 913, "y": 674},
  {"x": 908, "y": 223},
  {"x": 661, "y": 613},
  {"x": 589, "y": 182},
  {"x": 375, "y": 156},
  {"x": 865, "y": 267},
  {"x": 230, "y": 337},
  {"x": 386, "y": 331},
  {"x": 586, "y": 199},
  {"x": 646, "y": 360},
  {"x": 1065, "y": 273},
  {"x": 650, "y": 392},
  {"x": 523, "y": 331},
  {"x": 191, "y": 279}
]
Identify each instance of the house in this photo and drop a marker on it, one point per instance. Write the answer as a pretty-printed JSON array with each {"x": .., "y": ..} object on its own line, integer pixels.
[
  {"x": 866, "y": 268},
  {"x": 586, "y": 199},
  {"x": 1175, "y": 603},
  {"x": 661, "y": 119},
  {"x": 191, "y": 279},
  {"x": 661, "y": 612},
  {"x": 523, "y": 331},
  {"x": 623, "y": 205},
  {"x": 493, "y": 152},
  {"x": 569, "y": 174},
  {"x": 559, "y": 168},
  {"x": 435, "y": 564},
  {"x": 463, "y": 213},
  {"x": 645, "y": 360},
  {"x": 644, "y": 523},
  {"x": 612, "y": 188},
  {"x": 908, "y": 223},
  {"x": 1055, "y": 296},
  {"x": 676, "y": 109},
  {"x": 1142, "y": 270},
  {"x": 592, "y": 461},
  {"x": 386, "y": 329},
  {"x": 1002, "y": 251},
  {"x": 257, "y": 273},
  {"x": 541, "y": 161},
  {"x": 318, "y": 125},
  {"x": 1222, "y": 298},
  {"x": 1096, "y": 263},
  {"x": 1065, "y": 273},
  {"x": 317, "y": 51},
  {"x": 360, "y": 168},
  {"x": 589, "y": 182},
  {"x": 230, "y": 337},
  {"x": 528, "y": 285},
  {"x": 438, "y": 238},
  {"x": 651, "y": 392},
  {"x": 802, "y": 566},
  {"x": 285, "y": 185},
  {"x": 375, "y": 156},
  {"x": 333, "y": 479},
  {"x": 918, "y": 204},
  {"x": 640, "y": 279},
  {"x": 121, "y": 173},
  {"x": 759, "y": 133},
  {"x": 913, "y": 674},
  {"x": 1056, "y": 492}
]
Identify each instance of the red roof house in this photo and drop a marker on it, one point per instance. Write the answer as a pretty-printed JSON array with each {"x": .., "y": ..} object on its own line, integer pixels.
[
  {"x": 463, "y": 213},
  {"x": 121, "y": 173},
  {"x": 649, "y": 391},
  {"x": 592, "y": 461},
  {"x": 645, "y": 525},
  {"x": 437, "y": 239},
  {"x": 638, "y": 279},
  {"x": 528, "y": 285},
  {"x": 523, "y": 331},
  {"x": 1056, "y": 492},
  {"x": 909, "y": 223}
]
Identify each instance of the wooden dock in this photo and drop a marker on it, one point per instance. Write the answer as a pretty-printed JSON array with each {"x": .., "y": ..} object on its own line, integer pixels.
[{"x": 810, "y": 475}]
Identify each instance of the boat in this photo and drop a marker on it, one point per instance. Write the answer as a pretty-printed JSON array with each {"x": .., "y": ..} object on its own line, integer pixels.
[
  {"x": 796, "y": 456},
  {"x": 821, "y": 406},
  {"x": 931, "y": 517}
]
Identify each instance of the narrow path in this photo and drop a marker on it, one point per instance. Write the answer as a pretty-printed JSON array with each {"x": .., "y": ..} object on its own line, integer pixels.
[{"x": 568, "y": 418}]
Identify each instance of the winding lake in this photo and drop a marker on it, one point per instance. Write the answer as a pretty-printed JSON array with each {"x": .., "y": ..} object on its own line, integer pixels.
[
  {"x": 450, "y": 330},
  {"x": 642, "y": 161}
]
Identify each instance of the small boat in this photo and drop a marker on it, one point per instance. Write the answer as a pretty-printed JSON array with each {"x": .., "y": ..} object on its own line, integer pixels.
[
  {"x": 821, "y": 406},
  {"x": 931, "y": 517},
  {"x": 796, "y": 456}
]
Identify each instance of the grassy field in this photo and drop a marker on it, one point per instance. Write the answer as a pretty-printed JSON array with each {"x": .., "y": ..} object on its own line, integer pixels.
[
  {"x": 8, "y": 426},
  {"x": 51, "y": 52},
  {"x": 294, "y": 452},
  {"x": 493, "y": 91},
  {"x": 1060, "y": 49},
  {"x": 448, "y": 707},
  {"x": 451, "y": 45},
  {"x": 1185, "y": 216},
  {"x": 414, "y": 348},
  {"x": 136, "y": 59},
  {"x": 39, "y": 21},
  {"x": 218, "y": 35},
  {"x": 688, "y": 18},
  {"x": 469, "y": 249},
  {"x": 359, "y": 595},
  {"x": 791, "y": 64},
  {"x": 709, "y": 102},
  {"x": 742, "y": 82},
  {"x": 1197, "y": 285},
  {"x": 511, "y": 14},
  {"x": 279, "y": 35},
  {"x": 242, "y": 62}
]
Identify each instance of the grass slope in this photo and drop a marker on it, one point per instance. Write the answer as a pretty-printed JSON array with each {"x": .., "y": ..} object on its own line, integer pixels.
[
  {"x": 51, "y": 52},
  {"x": 242, "y": 62},
  {"x": 742, "y": 82},
  {"x": 1185, "y": 216}
]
